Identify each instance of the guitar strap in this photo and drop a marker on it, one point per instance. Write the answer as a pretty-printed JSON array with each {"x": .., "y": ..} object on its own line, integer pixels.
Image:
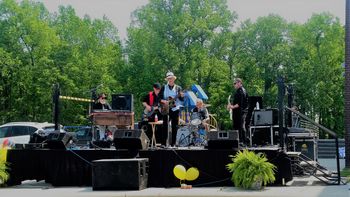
[{"x": 151, "y": 98}]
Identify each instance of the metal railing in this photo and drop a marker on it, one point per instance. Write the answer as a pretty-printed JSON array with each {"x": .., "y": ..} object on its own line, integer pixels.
[{"x": 330, "y": 132}]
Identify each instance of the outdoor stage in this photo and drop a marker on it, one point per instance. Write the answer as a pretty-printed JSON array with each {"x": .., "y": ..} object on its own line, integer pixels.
[{"x": 73, "y": 167}]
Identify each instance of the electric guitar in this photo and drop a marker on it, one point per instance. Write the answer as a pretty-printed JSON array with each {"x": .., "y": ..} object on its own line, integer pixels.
[
  {"x": 167, "y": 106},
  {"x": 148, "y": 114},
  {"x": 228, "y": 102}
]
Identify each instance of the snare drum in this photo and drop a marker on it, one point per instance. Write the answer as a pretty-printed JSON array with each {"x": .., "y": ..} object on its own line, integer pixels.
[
  {"x": 183, "y": 137},
  {"x": 195, "y": 119}
]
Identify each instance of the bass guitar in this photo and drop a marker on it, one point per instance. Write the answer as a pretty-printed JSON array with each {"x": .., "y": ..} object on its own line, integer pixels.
[{"x": 148, "y": 114}]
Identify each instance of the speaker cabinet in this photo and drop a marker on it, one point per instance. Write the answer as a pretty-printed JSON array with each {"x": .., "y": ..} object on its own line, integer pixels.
[
  {"x": 223, "y": 139},
  {"x": 58, "y": 140},
  {"x": 265, "y": 117},
  {"x": 119, "y": 174},
  {"x": 122, "y": 102},
  {"x": 307, "y": 147},
  {"x": 130, "y": 139}
]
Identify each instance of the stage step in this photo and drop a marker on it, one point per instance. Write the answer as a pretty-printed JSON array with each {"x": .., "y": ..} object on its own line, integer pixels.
[{"x": 302, "y": 165}]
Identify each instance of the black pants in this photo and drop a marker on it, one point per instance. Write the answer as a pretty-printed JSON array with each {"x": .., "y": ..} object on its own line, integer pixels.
[
  {"x": 174, "y": 118},
  {"x": 239, "y": 123}
]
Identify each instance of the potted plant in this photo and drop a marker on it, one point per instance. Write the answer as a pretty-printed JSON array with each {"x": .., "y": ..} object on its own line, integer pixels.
[
  {"x": 251, "y": 170},
  {"x": 3, "y": 167}
]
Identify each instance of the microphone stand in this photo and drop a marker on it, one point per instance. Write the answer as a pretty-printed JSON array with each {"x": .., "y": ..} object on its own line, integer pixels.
[{"x": 251, "y": 120}]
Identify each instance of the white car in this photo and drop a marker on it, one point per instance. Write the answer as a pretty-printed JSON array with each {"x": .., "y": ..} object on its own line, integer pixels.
[{"x": 20, "y": 132}]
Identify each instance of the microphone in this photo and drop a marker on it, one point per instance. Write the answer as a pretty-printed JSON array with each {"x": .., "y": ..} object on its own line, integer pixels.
[{"x": 97, "y": 87}]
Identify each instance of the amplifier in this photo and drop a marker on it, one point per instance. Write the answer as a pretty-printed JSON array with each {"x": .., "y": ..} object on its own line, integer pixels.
[{"x": 265, "y": 117}]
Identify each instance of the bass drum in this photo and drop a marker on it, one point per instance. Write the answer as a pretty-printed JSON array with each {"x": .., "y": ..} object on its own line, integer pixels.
[{"x": 183, "y": 136}]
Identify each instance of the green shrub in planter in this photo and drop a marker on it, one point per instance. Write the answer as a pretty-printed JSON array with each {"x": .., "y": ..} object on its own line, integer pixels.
[{"x": 250, "y": 169}]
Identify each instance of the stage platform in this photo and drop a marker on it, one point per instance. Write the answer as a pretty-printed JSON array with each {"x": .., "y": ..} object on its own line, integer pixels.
[{"x": 73, "y": 167}]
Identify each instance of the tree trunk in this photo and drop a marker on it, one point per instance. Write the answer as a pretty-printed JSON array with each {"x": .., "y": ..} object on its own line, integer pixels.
[{"x": 347, "y": 84}]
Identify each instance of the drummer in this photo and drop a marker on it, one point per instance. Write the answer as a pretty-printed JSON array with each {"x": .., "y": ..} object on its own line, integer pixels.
[{"x": 203, "y": 113}]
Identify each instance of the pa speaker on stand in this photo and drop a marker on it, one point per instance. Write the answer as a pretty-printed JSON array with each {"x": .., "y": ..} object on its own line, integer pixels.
[{"x": 122, "y": 102}]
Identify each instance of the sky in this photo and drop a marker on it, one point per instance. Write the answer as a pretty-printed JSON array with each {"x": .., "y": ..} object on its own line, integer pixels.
[{"x": 118, "y": 11}]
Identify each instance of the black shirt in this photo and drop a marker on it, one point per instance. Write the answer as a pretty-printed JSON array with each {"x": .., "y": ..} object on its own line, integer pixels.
[
  {"x": 102, "y": 106},
  {"x": 203, "y": 112},
  {"x": 241, "y": 98}
]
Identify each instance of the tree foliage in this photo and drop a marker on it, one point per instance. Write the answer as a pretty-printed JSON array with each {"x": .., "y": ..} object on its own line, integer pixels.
[
  {"x": 194, "y": 39},
  {"x": 39, "y": 49},
  {"x": 190, "y": 38}
]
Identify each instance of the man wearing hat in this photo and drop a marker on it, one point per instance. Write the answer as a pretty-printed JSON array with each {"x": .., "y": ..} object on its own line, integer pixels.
[
  {"x": 171, "y": 98},
  {"x": 101, "y": 103},
  {"x": 151, "y": 103},
  {"x": 239, "y": 107}
]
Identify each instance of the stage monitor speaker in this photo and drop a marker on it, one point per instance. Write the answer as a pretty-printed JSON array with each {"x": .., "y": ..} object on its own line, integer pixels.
[
  {"x": 120, "y": 174},
  {"x": 58, "y": 140},
  {"x": 130, "y": 139},
  {"x": 223, "y": 139},
  {"x": 265, "y": 117},
  {"x": 122, "y": 102},
  {"x": 261, "y": 136}
]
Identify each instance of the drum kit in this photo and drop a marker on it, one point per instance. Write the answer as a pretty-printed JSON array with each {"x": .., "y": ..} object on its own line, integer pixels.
[{"x": 192, "y": 133}]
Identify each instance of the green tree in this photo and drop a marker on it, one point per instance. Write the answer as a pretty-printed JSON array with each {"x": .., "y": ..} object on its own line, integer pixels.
[
  {"x": 89, "y": 55},
  {"x": 39, "y": 49},
  {"x": 260, "y": 54},
  {"x": 318, "y": 49},
  {"x": 190, "y": 38},
  {"x": 28, "y": 39}
]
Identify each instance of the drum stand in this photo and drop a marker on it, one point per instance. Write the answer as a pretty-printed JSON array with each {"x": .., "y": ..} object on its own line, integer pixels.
[
  {"x": 196, "y": 139},
  {"x": 184, "y": 139},
  {"x": 170, "y": 133}
]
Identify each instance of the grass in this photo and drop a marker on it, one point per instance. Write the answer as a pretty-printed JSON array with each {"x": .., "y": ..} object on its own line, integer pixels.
[{"x": 345, "y": 172}]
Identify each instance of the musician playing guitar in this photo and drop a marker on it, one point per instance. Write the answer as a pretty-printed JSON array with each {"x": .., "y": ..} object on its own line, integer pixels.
[
  {"x": 171, "y": 96},
  {"x": 151, "y": 103}
]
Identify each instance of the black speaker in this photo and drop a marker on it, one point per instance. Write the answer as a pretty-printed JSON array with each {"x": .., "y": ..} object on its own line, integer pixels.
[
  {"x": 307, "y": 147},
  {"x": 261, "y": 136},
  {"x": 265, "y": 117},
  {"x": 58, "y": 140},
  {"x": 119, "y": 174},
  {"x": 130, "y": 139},
  {"x": 122, "y": 102},
  {"x": 223, "y": 139}
]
